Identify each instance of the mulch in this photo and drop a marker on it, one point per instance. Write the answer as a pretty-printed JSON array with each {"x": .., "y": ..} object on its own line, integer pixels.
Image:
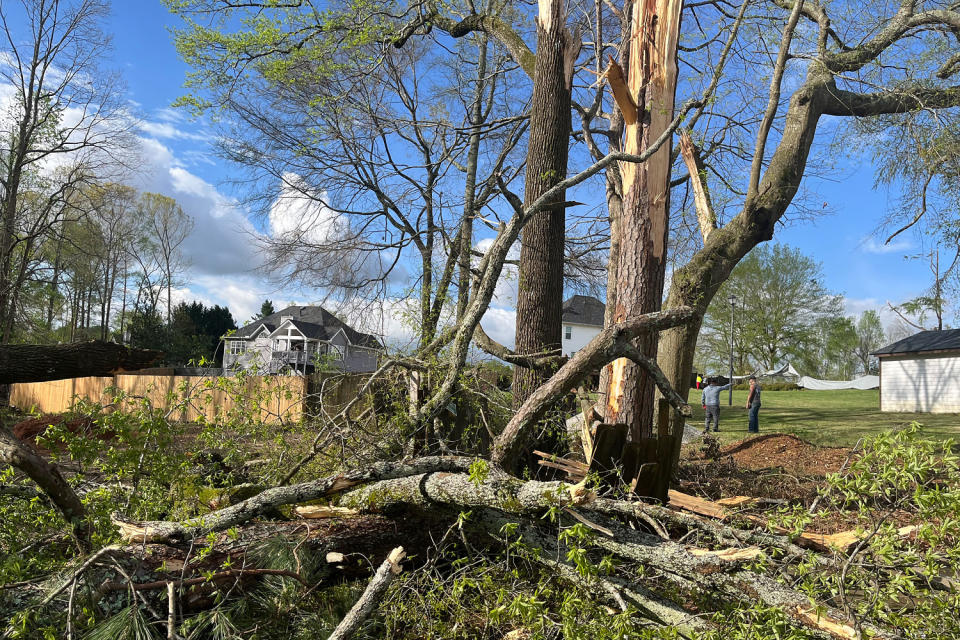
[
  {"x": 28, "y": 430},
  {"x": 787, "y": 452},
  {"x": 775, "y": 466}
]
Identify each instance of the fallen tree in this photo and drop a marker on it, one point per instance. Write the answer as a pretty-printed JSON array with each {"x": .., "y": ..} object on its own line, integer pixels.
[
  {"x": 705, "y": 562},
  {"x": 42, "y": 362}
]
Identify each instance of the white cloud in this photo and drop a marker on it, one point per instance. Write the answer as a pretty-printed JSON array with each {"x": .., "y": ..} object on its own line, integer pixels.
[
  {"x": 500, "y": 324},
  {"x": 507, "y": 290},
  {"x": 296, "y": 213},
  {"x": 242, "y": 294},
  {"x": 869, "y": 244},
  {"x": 167, "y": 131},
  {"x": 888, "y": 318},
  {"x": 185, "y": 294},
  {"x": 223, "y": 239}
]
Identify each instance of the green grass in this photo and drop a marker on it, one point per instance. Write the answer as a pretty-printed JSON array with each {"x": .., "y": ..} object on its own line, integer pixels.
[{"x": 827, "y": 418}]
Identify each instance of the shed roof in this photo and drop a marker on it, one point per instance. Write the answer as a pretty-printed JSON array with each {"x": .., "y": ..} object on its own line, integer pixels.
[
  {"x": 948, "y": 340},
  {"x": 583, "y": 310}
]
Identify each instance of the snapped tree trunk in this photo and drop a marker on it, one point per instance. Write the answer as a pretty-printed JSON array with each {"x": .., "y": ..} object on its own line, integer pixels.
[
  {"x": 646, "y": 100},
  {"x": 540, "y": 297}
]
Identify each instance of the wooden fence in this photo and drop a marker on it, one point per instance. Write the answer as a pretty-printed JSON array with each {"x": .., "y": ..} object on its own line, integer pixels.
[{"x": 275, "y": 398}]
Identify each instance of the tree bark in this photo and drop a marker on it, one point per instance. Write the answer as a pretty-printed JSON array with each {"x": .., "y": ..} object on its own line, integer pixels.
[
  {"x": 161, "y": 531},
  {"x": 37, "y": 363},
  {"x": 540, "y": 295},
  {"x": 696, "y": 283},
  {"x": 643, "y": 225}
]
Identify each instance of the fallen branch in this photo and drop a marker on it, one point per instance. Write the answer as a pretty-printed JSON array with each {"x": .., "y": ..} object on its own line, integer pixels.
[
  {"x": 371, "y": 596},
  {"x": 83, "y": 567},
  {"x": 50, "y": 481},
  {"x": 710, "y": 572},
  {"x": 265, "y": 501},
  {"x": 221, "y": 576}
]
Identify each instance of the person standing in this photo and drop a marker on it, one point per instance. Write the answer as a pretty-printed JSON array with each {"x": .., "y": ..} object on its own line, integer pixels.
[
  {"x": 699, "y": 382},
  {"x": 710, "y": 399},
  {"x": 753, "y": 404}
]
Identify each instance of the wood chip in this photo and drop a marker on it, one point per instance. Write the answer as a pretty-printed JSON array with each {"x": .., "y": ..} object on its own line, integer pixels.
[
  {"x": 748, "y": 553},
  {"x": 833, "y": 626},
  {"x": 316, "y": 511},
  {"x": 580, "y": 495},
  {"x": 696, "y": 505}
]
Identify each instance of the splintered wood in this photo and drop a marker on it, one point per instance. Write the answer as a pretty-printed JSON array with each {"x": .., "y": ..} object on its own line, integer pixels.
[
  {"x": 841, "y": 541},
  {"x": 643, "y": 465},
  {"x": 318, "y": 511}
]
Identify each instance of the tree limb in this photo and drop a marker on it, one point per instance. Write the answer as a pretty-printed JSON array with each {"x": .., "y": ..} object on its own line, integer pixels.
[
  {"x": 612, "y": 343},
  {"x": 362, "y": 609},
  {"x": 50, "y": 481}
]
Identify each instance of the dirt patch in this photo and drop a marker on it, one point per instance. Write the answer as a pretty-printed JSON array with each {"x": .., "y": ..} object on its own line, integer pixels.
[
  {"x": 28, "y": 430},
  {"x": 787, "y": 452},
  {"x": 774, "y": 466}
]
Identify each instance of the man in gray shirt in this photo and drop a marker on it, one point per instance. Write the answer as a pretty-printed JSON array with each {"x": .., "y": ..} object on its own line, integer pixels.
[{"x": 710, "y": 399}]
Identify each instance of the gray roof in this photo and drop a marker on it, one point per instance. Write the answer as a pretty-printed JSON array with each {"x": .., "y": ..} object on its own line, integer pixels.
[
  {"x": 314, "y": 322},
  {"x": 583, "y": 310},
  {"x": 948, "y": 340}
]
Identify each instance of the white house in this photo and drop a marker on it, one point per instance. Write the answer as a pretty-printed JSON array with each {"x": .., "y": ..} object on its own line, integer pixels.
[
  {"x": 582, "y": 321},
  {"x": 293, "y": 339},
  {"x": 921, "y": 373}
]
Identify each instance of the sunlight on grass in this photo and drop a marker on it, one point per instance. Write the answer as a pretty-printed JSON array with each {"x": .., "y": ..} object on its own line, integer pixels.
[{"x": 837, "y": 418}]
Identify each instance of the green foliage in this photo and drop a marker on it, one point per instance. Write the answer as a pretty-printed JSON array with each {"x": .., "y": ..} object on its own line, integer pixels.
[
  {"x": 193, "y": 333},
  {"x": 870, "y": 337},
  {"x": 128, "y": 624},
  {"x": 287, "y": 44},
  {"x": 482, "y": 597},
  {"x": 754, "y": 623},
  {"x": 781, "y": 301},
  {"x": 899, "y": 478},
  {"x": 478, "y": 472}
]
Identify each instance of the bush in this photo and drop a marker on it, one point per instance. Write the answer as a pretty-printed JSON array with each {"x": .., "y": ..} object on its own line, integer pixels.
[{"x": 771, "y": 386}]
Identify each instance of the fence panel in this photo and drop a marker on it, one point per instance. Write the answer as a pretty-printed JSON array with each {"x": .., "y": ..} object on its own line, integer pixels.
[{"x": 273, "y": 398}]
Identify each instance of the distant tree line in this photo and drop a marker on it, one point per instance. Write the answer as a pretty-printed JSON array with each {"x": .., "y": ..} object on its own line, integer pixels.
[
  {"x": 781, "y": 313},
  {"x": 193, "y": 332}
]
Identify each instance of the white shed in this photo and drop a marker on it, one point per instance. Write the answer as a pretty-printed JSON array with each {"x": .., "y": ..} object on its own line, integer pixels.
[{"x": 921, "y": 373}]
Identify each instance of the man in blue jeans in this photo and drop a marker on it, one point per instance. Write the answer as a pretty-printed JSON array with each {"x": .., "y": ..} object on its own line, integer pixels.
[
  {"x": 710, "y": 399},
  {"x": 753, "y": 404}
]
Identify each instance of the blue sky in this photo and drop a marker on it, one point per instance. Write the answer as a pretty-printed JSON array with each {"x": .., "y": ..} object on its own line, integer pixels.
[{"x": 178, "y": 161}]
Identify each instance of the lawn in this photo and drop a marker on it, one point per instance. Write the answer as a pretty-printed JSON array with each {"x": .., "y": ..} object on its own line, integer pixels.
[{"x": 838, "y": 418}]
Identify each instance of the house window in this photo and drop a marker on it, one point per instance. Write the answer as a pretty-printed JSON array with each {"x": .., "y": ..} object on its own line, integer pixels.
[
  {"x": 237, "y": 347},
  {"x": 567, "y": 332},
  {"x": 336, "y": 351}
]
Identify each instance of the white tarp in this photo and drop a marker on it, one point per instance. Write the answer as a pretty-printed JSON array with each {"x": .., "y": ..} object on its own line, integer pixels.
[
  {"x": 786, "y": 371},
  {"x": 865, "y": 382}
]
